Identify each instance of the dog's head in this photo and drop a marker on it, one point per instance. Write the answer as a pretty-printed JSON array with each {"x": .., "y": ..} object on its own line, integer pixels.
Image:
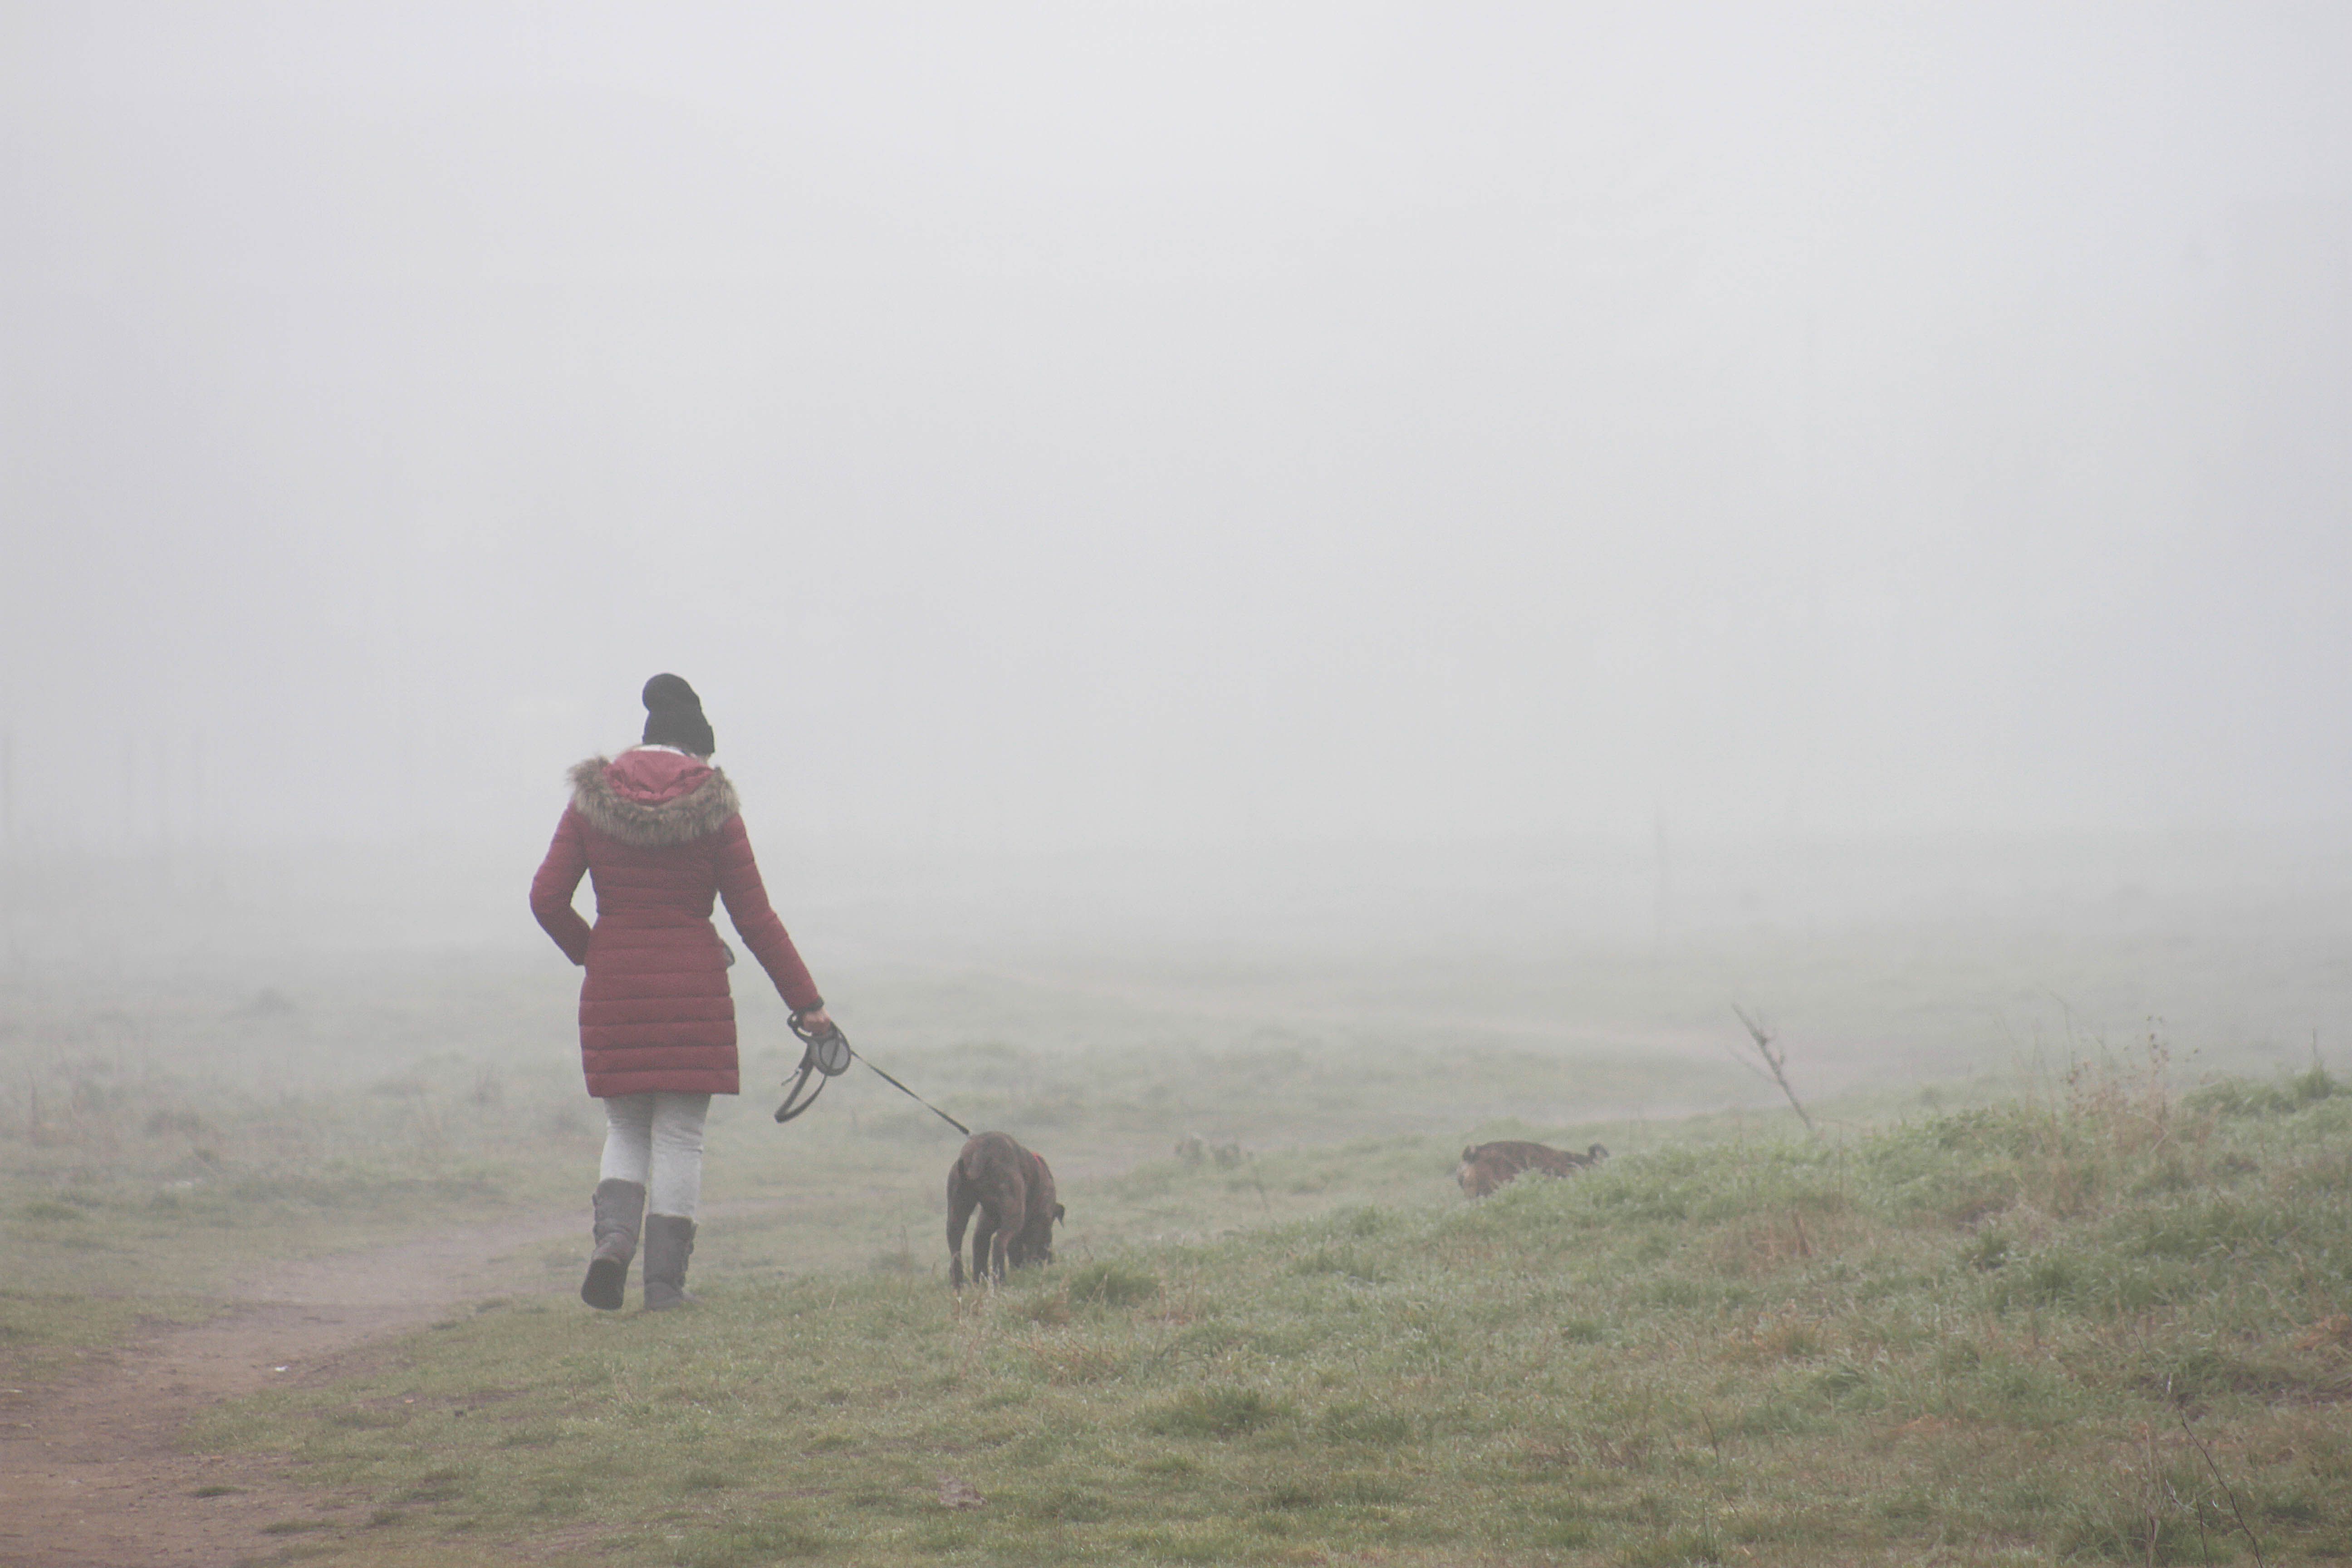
[
  {"x": 1481, "y": 1172},
  {"x": 1034, "y": 1245},
  {"x": 1036, "y": 1242}
]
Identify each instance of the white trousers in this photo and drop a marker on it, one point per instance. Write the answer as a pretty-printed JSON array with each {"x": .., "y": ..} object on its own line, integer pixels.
[{"x": 655, "y": 1140}]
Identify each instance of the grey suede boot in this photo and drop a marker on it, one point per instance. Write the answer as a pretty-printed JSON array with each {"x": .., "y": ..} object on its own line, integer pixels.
[
  {"x": 669, "y": 1242},
  {"x": 618, "y": 1204}
]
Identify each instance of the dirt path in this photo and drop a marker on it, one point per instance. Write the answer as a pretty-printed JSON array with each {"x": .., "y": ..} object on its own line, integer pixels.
[{"x": 90, "y": 1472}]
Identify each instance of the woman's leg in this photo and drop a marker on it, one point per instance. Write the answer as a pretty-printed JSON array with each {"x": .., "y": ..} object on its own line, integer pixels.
[
  {"x": 620, "y": 1198},
  {"x": 628, "y": 1139},
  {"x": 674, "y": 1186},
  {"x": 674, "y": 1190}
]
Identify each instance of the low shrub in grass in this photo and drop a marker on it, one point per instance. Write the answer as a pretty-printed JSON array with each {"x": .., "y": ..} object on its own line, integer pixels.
[
  {"x": 1216, "y": 1413},
  {"x": 2281, "y": 1096},
  {"x": 751, "y": 1544},
  {"x": 1354, "y": 1422},
  {"x": 1109, "y": 1284}
]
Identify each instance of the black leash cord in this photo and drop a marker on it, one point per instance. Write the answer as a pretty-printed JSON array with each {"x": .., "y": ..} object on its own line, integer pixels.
[
  {"x": 918, "y": 1099},
  {"x": 828, "y": 1055}
]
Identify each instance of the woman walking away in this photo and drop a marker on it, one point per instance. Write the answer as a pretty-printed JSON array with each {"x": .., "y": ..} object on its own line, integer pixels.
[{"x": 657, "y": 831}]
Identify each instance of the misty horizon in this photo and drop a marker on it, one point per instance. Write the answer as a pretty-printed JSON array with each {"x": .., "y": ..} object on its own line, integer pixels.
[{"x": 1065, "y": 429}]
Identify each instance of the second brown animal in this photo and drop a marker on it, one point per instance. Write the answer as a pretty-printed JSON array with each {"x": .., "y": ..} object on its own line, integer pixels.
[
  {"x": 1486, "y": 1166},
  {"x": 1013, "y": 1191}
]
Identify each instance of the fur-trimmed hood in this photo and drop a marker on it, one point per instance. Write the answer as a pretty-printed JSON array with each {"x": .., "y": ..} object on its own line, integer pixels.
[{"x": 651, "y": 797}]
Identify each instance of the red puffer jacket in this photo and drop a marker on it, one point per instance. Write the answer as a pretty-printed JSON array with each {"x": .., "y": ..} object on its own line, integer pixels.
[{"x": 658, "y": 834}]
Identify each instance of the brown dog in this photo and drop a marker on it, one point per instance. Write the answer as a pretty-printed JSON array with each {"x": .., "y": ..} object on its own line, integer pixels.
[
  {"x": 1487, "y": 1166},
  {"x": 1013, "y": 1191}
]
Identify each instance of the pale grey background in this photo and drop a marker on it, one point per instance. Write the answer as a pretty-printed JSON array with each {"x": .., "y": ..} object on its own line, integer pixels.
[{"x": 1146, "y": 440}]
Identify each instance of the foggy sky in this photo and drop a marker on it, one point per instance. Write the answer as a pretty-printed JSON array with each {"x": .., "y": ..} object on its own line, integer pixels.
[{"x": 1049, "y": 425}]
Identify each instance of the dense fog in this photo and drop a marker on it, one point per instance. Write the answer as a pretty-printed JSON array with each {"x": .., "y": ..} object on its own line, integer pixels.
[
  {"x": 1309, "y": 605},
  {"x": 1157, "y": 440}
]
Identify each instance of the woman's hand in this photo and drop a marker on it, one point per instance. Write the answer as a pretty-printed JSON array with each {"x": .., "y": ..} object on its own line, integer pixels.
[{"x": 814, "y": 1020}]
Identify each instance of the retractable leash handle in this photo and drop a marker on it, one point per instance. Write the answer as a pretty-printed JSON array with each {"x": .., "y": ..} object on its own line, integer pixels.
[
  {"x": 828, "y": 1046},
  {"x": 826, "y": 1055}
]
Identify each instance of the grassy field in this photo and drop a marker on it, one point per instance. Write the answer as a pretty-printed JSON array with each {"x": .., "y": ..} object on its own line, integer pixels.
[
  {"x": 2108, "y": 1325},
  {"x": 163, "y": 1140},
  {"x": 2034, "y": 1297}
]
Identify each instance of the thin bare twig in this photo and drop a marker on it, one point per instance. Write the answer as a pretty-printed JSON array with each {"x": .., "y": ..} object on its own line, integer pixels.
[
  {"x": 1777, "y": 1062},
  {"x": 1733, "y": 1052},
  {"x": 2240, "y": 1514}
]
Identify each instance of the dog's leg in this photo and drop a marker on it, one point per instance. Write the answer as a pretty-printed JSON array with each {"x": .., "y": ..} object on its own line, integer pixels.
[
  {"x": 984, "y": 1242},
  {"x": 959, "y": 1204},
  {"x": 1008, "y": 1232}
]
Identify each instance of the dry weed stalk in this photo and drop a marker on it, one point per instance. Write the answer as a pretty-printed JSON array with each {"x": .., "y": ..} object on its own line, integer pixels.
[
  {"x": 1777, "y": 1062},
  {"x": 2228, "y": 1490},
  {"x": 2131, "y": 1105}
]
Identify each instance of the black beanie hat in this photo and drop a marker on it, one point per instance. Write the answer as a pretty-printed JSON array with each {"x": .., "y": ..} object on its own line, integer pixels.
[{"x": 674, "y": 717}]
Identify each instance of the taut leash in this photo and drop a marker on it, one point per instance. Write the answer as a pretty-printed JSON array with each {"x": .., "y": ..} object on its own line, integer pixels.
[{"x": 828, "y": 1055}]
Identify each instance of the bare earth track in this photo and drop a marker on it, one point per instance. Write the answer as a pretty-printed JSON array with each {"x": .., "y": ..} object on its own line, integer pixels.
[{"x": 91, "y": 1472}]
